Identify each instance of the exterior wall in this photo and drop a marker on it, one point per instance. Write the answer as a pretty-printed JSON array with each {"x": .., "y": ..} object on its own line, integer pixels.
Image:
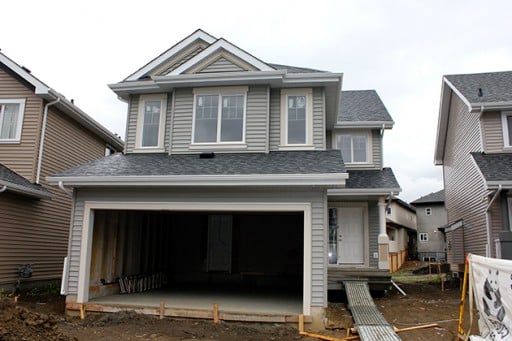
[
  {"x": 435, "y": 246},
  {"x": 221, "y": 65},
  {"x": 492, "y": 132},
  {"x": 36, "y": 231},
  {"x": 375, "y": 147},
  {"x": 316, "y": 197},
  {"x": 21, "y": 157},
  {"x": 402, "y": 216},
  {"x": 464, "y": 187}
]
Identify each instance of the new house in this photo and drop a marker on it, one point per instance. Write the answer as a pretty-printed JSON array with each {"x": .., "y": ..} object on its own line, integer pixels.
[
  {"x": 232, "y": 182},
  {"x": 474, "y": 148},
  {"x": 41, "y": 133},
  {"x": 401, "y": 229}
]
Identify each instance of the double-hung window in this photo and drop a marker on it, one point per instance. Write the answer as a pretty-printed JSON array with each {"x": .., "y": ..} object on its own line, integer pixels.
[
  {"x": 506, "y": 122},
  {"x": 297, "y": 117},
  {"x": 151, "y": 120},
  {"x": 354, "y": 147},
  {"x": 219, "y": 115},
  {"x": 11, "y": 120}
]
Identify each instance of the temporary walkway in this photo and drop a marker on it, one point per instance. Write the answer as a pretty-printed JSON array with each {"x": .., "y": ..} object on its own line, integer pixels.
[{"x": 368, "y": 321}]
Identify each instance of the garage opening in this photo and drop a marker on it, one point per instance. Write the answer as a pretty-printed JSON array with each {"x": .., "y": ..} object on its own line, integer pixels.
[{"x": 239, "y": 260}]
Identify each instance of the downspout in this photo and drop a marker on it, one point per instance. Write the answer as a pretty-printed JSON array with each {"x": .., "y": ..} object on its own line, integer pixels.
[
  {"x": 65, "y": 267},
  {"x": 488, "y": 246},
  {"x": 3, "y": 189},
  {"x": 41, "y": 143},
  {"x": 64, "y": 189}
]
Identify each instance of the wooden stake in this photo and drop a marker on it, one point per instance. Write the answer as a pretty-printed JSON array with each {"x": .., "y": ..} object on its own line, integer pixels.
[
  {"x": 301, "y": 323},
  {"x": 82, "y": 311},
  {"x": 215, "y": 313},
  {"x": 399, "y": 330},
  {"x": 328, "y": 338},
  {"x": 162, "y": 309}
]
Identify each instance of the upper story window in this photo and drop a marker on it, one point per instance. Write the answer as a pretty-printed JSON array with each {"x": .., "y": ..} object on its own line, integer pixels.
[
  {"x": 354, "y": 147},
  {"x": 151, "y": 121},
  {"x": 423, "y": 237},
  {"x": 219, "y": 115},
  {"x": 388, "y": 210},
  {"x": 11, "y": 120},
  {"x": 506, "y": 122},
  {"x": 297, "y": 117},
  {"x": 428, "y": 211}
]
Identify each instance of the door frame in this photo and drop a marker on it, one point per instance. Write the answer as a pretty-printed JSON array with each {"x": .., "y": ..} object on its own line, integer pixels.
[
  {"x": 88, "y": 226},
  {"x": 366, "y": 233}
]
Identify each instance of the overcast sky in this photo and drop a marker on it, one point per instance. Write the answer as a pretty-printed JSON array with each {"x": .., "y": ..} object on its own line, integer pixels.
[{"x": 399, "y": 48}]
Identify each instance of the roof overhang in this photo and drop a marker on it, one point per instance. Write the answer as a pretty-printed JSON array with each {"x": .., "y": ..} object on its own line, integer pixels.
[
  {"x": 362, "y": 191},
  {"x": 491, "y": 185},
  {"x": 232, "y": 180},
  {"x": 366, "y": 124},
  {"x": 23, "y": 190}
]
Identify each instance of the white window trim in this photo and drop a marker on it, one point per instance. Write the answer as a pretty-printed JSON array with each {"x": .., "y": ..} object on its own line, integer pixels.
[
  {"x": 308, "y": 92},
  {"x": 423, "y": 234},
  {"x": 505, "y": 129},
  {"x": 161, "y": 125},
  {"x": 369, "y": 154},
  {"x": 231, "y": 90},
  {"x": 427, "y": 210},
  {"x": 19, "y": 125}
]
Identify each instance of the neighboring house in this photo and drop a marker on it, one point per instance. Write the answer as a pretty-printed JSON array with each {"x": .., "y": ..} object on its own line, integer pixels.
[
  {"x": 229, "y": 180},
  {"x": 474, "y": 146},
  {"x": 401, "y": 228},
  {"x": 40, "y": 133},
  {"x": 431, "y": 215}
]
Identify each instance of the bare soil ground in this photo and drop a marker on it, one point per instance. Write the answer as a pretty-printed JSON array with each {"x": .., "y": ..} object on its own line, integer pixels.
[{"x": 42, "y": 318}]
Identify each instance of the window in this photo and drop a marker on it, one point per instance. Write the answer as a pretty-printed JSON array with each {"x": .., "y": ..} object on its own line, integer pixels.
[
  {"x": 297, "y": 118},
  {"x": 388, "y": 210},
  {"x": 354, "y": 147},
  {"x": 11, "y": 119},
  {"x": 219, "y": 116},
  {"x": 428, "y": 211},
  {"x": 423, "y": 237},
  {"x": 151, "y": 121},
  {"x": 506, "y": 122}
]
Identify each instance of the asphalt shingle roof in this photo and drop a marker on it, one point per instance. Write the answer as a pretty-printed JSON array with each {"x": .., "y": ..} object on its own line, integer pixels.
[
  {"x": 496, "y": 86},
  {"x": 374, "y": 178},
  {"x": 430, "y": 198},
  {"x": 362, "y": 106},
  {"x": 282, "y": 162},
  {"x": 494, "y": 167},
  {"x": 10, "y": 178}
]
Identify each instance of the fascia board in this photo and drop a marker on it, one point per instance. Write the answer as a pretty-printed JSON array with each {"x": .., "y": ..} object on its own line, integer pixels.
[
  {"x": 442, "y": 123},
  {"x": 365, "y": 124},
  {"x": 199, "y": 34},
  {"x": 488, "y": 106},
  {"x": 324, "y": 179},
  {"x": 226, "y": 76},
  {"x": 40, "y": 87},
  {"x": 222, "y": 44},
  {"x": 455, "y": 90},
  {"x": 24, "y": 190},
  {"x": 362, "y": 191},
  {"x": 496, "y": 184}
]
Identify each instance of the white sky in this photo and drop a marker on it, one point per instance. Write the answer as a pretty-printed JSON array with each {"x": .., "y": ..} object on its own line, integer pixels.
[{"x": 399, "y": 48}]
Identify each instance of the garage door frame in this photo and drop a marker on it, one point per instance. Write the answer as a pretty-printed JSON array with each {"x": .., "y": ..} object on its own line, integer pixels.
[{"x": 88, "y": 223}]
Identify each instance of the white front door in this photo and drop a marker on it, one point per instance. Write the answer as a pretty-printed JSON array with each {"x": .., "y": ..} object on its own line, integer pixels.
[{"x": 351, "y": 244}]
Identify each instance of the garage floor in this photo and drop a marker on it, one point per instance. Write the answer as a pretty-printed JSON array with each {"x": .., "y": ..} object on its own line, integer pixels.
[{"x": 246, "y": 302}]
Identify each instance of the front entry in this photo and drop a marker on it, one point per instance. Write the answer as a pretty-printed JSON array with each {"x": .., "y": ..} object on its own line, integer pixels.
[{"x": 351, "y": 236}]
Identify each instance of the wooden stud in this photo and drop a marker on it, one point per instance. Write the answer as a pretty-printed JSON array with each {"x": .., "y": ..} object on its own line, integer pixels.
[
  {"x": 399, "y": 330},
  {"x": 162, "y": 309},
  {"x": 215, "y": 313},
  {"x": 82, "y": 311},
  {"x": 301, "y": 323}
]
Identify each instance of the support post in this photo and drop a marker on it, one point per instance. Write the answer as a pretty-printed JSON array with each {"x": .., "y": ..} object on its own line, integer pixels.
[
  {"x": 162, "y": 309},
  {"x": 383, "y": 236}
]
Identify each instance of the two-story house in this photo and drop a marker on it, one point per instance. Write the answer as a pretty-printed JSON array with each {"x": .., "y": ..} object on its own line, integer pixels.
[
  {"x": 401, "y": 229},
  {"x": 474, "y": 147},
  {"x": 41, "y": 133},
  {"x": 431, "y": 215},
  {"x": 228, "y": 186}
]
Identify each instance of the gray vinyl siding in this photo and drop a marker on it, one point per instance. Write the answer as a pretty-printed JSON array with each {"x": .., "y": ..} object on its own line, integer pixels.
[
  {"x": 221, "y": 65},
  {"x": 131, "y": 124},
  {"x": 495, "y": 220},
  {"x": 168, "y": 123},
  {"x": 376, "y": 149},
  {"x": 316, "y": 197},
  {"x": 373, "y": 232},
  {"x": 492, "y": 132},
  {"x": 464, "y": 185},
  {"x": 435, "y": 246},
  {"x": 255, "y": 126},
  {"x": 275, "y": 119}
]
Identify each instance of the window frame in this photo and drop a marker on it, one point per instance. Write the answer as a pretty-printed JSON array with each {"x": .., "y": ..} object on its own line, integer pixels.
[
  {"x": 507, "y": 144},
  {"x": 367, "y": 134},
  {"x": 423, "y": 237},
  {"x": 428, "y": 211},
  {"x": 19, "y": 123},
  {"x": 308, "y": 93},
  {"x": 140, "y": 122},
  {"x": 220, "y": 92}
]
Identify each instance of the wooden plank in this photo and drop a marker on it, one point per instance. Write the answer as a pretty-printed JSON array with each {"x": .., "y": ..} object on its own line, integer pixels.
[
  {"x": 301, "y": 323},
  {"x": 162, "y": 309},
  {"x": 215, "y": 313}
]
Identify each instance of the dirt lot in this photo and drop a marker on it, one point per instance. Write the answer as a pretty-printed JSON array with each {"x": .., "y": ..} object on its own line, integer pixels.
[{"x": 42, "y": 317}]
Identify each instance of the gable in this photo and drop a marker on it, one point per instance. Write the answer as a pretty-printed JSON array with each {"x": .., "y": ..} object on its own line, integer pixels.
[
  {"x": 180, "y": 58},
  {"x": 221, "y": 61}
]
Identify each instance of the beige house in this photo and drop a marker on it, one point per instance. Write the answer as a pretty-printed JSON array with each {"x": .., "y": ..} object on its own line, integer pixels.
[
  {"x": 401, "y": 229},
  {"x": 474, "y": 147},
  {"x": 232, "y": 182},
  {"x": 41, "y": 133}
]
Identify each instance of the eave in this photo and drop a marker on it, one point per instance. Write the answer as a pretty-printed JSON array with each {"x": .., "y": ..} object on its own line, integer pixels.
[
  {"x": 365, "y": 124},
  {"x": 238, "y": 180},
  {"x": 362, "y": 191},
  {"x": 25, "y": 190}
]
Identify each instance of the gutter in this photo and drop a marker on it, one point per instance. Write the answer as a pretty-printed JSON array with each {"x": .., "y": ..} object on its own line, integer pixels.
[
  {"x": 488, "y": 219},
  {"x": 43, "y": 135}
]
